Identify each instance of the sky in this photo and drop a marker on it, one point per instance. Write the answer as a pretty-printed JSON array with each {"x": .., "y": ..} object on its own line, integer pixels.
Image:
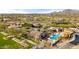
[{"x": 28, "y": 11}]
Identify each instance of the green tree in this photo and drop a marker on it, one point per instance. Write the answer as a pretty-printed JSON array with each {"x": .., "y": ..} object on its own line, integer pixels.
[
  {"x": 13, "y": 31},
  {"x": 2, "y": 26}
]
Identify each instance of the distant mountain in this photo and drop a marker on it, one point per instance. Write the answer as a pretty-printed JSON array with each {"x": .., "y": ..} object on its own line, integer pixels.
[
  {"x": 70, "y": 11},
  {"x": 65, "y": 11}
]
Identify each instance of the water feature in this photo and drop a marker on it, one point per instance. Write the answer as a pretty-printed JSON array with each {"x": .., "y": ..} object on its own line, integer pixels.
[{"x": 55, "y": 36}]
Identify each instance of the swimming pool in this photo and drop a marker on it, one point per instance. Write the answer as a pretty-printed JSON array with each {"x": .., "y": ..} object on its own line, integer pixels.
[{"x": 55, "y": 36}]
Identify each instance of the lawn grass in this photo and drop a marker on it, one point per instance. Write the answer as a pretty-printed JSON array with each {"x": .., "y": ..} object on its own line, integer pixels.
[
  {"x": 8, "y": 43},
  {"x": 64, "y": 25}
]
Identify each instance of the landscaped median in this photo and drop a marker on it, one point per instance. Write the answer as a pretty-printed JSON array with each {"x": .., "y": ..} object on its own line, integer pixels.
[
  {"x": 14, "y": 43},
  {"x": 8, "y": 43}
]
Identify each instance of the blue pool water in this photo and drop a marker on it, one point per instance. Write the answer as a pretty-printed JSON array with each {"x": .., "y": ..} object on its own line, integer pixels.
[{"x": 55, "y": 36}]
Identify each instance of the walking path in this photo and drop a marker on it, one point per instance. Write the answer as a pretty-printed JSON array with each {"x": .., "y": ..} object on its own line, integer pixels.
[
  {"x": 20, "y": 42},
  {"x": 29, "y": 41}
]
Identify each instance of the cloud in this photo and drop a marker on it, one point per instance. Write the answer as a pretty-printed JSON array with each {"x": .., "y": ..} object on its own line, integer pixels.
[
  {"x": 37, "y": 10},
  {"x": 28, "y": 11}
]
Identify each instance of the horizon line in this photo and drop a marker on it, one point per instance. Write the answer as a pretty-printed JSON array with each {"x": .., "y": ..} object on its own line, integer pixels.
[{"x": 29, "y": 11}]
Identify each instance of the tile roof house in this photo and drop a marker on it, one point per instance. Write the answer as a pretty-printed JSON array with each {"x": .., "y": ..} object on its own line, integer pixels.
[
  {"x": 34, "y": 34},
  {"x": 14, "y": 24}
]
